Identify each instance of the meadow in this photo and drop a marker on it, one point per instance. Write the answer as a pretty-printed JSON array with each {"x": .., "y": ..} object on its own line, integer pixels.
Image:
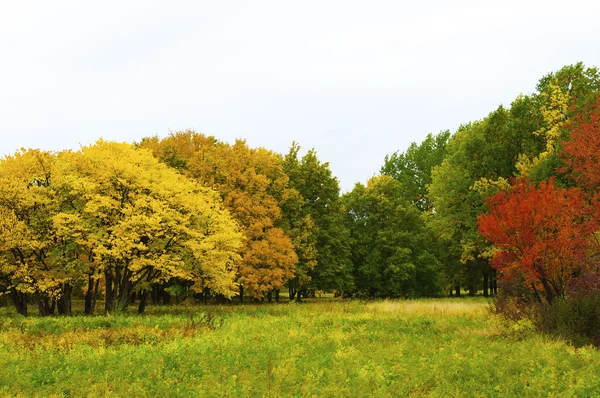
[{"x": 434, "y": 347}]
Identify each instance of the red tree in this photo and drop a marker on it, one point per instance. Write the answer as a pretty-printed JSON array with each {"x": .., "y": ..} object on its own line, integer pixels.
[
  {"x": 581, "y": 153},
  {"x": 539, "y": 233}
]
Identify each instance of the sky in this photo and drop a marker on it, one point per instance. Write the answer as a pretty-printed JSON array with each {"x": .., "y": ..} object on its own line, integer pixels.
[{"x": 355, "y": 80}]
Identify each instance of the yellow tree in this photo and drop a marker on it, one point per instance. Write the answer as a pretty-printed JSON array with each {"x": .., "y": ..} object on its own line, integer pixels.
[
  {"x": 137, "y": 221},
  {"x": 29, "y": 265},
  {"x": 253, "y": 186}
]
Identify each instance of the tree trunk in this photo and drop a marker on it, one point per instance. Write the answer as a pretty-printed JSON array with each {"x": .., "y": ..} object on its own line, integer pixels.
[
  {"x": 270, "y": 296},
  {"x": 277, "y": 295},
  {"x": 241, "y": 294},
  {"x": 90, "y": 295},
  {"x": 109, "y": 299},
  {"x": 143, "y": 300},
  {"x": 19, "y": 301},
  {"x": 472, "y": 289},
  {"x": 485, "y": 284},
  {"x": 457, "y": 288},
  {"x": 537, "y": 294},
  {"x": 548, "y": 290},
  {"x": 155, "y": 293},
  {"x": 64, "y": 302},
  {"x": 125, "y": 293},
  {"x": 45, "y": 305},
  {"x": 118, "y": 289}
]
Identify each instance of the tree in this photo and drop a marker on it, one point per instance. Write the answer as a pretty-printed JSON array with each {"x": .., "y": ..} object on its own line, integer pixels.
[
  {"x": 321, "y": 193},
  {"x": 301, "y": 229},
  {"x": 413, "y": 168},
  {"x": 390, "y": 245},
  {"x": 107, "y": 212},
  {"x": 561, "y": 95},
  {"x": 539, "y": 233},
  {"x": 580, "y": 83},
  {"x": 253, "y": 187},
  {"x": 581, "y": 152},
  {"x": 28, "y": 263},
  {"x": 479, "y": 154},
  {"x": 138, "y": 221}
]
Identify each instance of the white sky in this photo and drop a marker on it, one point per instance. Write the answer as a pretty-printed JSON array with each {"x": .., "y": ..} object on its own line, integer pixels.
[{"x": 356, "y": 80}]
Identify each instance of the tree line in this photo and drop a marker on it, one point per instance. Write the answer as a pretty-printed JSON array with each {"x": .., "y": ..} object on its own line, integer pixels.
[{"x": 511, "y": 196}]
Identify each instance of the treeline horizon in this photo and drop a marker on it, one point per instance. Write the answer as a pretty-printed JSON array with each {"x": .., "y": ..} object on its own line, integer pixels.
[{"x": 189, "y": 214}]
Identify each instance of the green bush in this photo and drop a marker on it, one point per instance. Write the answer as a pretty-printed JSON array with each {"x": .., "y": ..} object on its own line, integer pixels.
[{"x": 575, "y": 318}]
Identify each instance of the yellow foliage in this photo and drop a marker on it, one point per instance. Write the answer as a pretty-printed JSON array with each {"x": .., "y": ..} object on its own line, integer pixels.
[
  {"x": 253, "y": 187},
  {"x": 115, "y": 210},
  {"x": 487, "y": 187},
  {"x": 554, "y": 112},
  {"x": 26, "y": 242}
]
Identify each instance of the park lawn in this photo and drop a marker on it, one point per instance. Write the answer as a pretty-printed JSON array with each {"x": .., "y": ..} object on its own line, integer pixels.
[{"x": 435, "y": 347}]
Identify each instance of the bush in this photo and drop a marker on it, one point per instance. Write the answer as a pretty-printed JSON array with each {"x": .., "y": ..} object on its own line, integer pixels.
[
  {"x": 179, "y": 292},
  {"x": 514, "y": 308},
  {"x": 575, "y": 318}
]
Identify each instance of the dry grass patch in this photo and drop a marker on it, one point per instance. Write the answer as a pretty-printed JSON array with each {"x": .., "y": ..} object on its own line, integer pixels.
[{"x": 438, "y": 307}]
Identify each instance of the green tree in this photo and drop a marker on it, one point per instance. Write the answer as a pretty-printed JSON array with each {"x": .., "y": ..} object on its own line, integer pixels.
[
  {"x": 391, "y": 246},
  {"x": 301, "y": 228},
  {"x": 321, "y": 194},
  {"x": 560, "y": 95},
  {"x": 480, "y": 154},
  {"x": 413, "y": 167}
]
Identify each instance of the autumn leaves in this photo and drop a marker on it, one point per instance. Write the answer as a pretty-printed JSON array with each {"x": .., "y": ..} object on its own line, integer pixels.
[
  {"x": 546, "y": 234},
  {"x": 111, "y": 212},
  {"x": 111, "y": 220}
]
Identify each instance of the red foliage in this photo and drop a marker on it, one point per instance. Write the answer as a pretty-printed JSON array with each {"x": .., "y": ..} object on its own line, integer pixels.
[
  {"x": 540, "y": 234},
  {"x": 581, "y": 153}
]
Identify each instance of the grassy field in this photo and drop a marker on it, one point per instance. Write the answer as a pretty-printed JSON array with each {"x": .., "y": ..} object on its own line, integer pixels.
[{"x": 445, "y": 347}]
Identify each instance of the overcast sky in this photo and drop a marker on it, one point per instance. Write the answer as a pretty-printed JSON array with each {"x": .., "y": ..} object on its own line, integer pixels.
[{"x": 356, "y": 80}]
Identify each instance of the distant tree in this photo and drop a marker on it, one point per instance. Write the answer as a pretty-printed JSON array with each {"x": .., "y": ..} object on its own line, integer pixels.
[
  {"x": 413, "y": 167},
  {"x": 321, "y": 194},
  {"x": 392, "y": 251},
  {"x": 301, "y": 228},
  {"x": 580, "y": 83}
]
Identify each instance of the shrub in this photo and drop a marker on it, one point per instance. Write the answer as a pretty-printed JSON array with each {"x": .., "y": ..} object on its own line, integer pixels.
[{"x": 575, "y": 318}]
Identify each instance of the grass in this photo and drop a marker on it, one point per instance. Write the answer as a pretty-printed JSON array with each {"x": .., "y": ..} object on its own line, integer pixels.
[{"x": 445, "y": 347}]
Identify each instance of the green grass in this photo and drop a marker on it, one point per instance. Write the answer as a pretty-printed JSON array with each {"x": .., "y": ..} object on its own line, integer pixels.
[{"x": 446, "y": 347}]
